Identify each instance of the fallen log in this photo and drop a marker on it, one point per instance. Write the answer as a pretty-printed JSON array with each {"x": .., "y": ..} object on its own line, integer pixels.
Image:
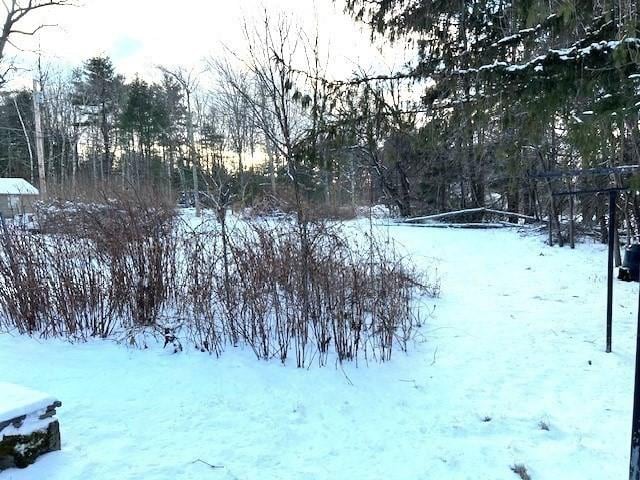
[
  {"x": 469, "y": 211},
  {"x": 477, "y": 225}
]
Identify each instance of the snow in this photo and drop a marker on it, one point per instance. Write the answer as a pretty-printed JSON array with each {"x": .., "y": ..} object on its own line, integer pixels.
[
  {"x": 516, "y": 339},
  {"x": 565, "y": 54},
  {"x": 16, "y": 186},
  {"x": 16, "y": 400},
  {"x": 29, "y": 425},
  {"x": 508, "y": 39}
]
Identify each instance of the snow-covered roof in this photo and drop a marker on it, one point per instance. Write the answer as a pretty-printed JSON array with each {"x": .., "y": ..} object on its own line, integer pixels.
[{"x": 16, "y": 186}]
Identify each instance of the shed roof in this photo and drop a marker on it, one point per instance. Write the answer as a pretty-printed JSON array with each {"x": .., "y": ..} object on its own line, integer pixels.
[{"x": 16, "y": 186}]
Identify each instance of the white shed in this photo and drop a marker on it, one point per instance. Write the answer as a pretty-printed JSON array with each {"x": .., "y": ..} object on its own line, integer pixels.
[{"x": 16, "y": 196}]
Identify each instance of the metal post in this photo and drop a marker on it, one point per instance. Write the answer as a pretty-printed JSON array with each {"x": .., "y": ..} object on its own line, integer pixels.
[
  {"x": 550, "y": 228},
  {"x": 634, "y": 459},
  {"x": 572, "y": 239},
  {"x": 612, "y": 226}
]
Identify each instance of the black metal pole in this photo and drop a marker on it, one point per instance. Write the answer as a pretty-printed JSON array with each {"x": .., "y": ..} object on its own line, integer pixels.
[
  {"x": 572, "y": 235},
  {"x": 612, "y": 226},
  {"x": 550, "y": 228},
  {"x": 634, "y": 459}
]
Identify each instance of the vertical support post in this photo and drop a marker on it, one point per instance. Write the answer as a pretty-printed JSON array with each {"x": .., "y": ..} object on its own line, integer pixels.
[
  {"x": 612, "y": 226},
  {"x": 572, "y": 239},
  {"x": 634, "y": 459},
  {"x": 550, "y": 227}
]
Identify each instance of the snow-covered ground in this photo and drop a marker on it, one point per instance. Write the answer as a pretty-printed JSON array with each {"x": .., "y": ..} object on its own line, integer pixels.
[{"x": 516, "y": 341}]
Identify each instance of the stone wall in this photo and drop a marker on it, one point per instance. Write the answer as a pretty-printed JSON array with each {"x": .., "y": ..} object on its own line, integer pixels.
[{"x": 25, "y": 437}]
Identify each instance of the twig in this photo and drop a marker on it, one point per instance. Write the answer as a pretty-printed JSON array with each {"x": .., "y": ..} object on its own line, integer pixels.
[
  {"x": 344, "y": 373},
  {"x": 207, "y": 463},
  {"x": 434, "y": 357}
]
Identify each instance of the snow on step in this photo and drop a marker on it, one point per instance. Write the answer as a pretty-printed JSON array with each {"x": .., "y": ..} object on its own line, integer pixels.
[
  {"x": 28, "y": 427},
  {"x": 16, "y": 401}
]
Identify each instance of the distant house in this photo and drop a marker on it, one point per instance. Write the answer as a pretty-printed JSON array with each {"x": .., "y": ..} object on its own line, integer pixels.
[{"x": 16, "y": 196}]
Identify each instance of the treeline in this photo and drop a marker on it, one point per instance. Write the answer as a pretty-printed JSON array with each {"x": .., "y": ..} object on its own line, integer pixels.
[
  {"x": 99, "y": 128},
  {"x": 498, "y": 93},
  {"x": 512, "y": 89},
  {"x": 243, "y": 132}
]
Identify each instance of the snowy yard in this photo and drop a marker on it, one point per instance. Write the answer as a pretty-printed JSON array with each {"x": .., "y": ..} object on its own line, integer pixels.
[{"x": 516, "y": 342}]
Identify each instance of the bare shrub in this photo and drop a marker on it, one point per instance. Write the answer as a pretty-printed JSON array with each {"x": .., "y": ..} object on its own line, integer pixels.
[
  {"x": 100, "y": 267},
  {"x": 197, "y": 287},
  {"x": 286, "y": 289},
  {"x": 134, "y": 239},
  {"x": 287, "y": 296},
  {"x": 270, "y": 206},
  {"x": 24, "y": 300},
  {"x": 54, "y": 287},
  {"x": 325, "y": 211}
]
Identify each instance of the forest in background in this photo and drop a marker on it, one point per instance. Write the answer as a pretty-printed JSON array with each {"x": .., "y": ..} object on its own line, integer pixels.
[{"x": 498, "y": 93}]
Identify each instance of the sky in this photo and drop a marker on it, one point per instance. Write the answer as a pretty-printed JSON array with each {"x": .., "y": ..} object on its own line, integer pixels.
[{"x": 141, "y": 34}]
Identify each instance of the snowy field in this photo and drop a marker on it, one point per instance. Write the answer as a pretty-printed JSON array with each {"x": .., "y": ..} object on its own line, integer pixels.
[{"x": 516, "y": 342}]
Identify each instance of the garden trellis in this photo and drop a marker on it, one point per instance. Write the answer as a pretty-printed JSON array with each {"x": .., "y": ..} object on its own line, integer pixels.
[
  {"x": 613, "y": 195},
  {"x": 634, "y": 457}
]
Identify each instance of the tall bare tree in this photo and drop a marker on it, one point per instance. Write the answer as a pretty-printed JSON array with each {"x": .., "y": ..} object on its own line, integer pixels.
[
  {"x": 15, "y": 24},
  {"x": 273, "y": 48},
  {"x": 237, "y": 113},
  {"x": 188, "y": 80}
]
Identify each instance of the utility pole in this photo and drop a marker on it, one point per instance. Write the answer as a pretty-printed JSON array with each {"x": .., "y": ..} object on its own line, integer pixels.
[{"x": 39, "y": 139}]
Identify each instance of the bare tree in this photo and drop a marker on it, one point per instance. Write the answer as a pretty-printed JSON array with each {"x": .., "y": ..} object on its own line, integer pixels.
[
  {"x": 317, "y": 102},
  {"x": 237, "y": 113},
  {"x": 26, "y": 137},
  {"x": 17, "y": 12},
  {"x": 272, "y": 95},
  {"x": 57, "y": 93},
  {"x": 188, "y": 81}
]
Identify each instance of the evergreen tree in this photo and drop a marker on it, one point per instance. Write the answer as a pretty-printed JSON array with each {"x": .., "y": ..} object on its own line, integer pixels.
[{"x": 98, "y": 91}]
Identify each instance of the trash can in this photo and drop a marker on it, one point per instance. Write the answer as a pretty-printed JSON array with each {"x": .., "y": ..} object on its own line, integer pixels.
[{"x": 630, "y": 270}]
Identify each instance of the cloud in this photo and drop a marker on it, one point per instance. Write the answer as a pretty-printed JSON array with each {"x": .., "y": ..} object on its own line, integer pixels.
[{"x": 140, "y": 34}]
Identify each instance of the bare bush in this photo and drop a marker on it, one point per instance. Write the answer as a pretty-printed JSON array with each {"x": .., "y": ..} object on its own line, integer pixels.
[
  {"x": 54, "y": 287},
  {"x": 309, "y": 294},
  {"x": 286, "y": 289}
]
